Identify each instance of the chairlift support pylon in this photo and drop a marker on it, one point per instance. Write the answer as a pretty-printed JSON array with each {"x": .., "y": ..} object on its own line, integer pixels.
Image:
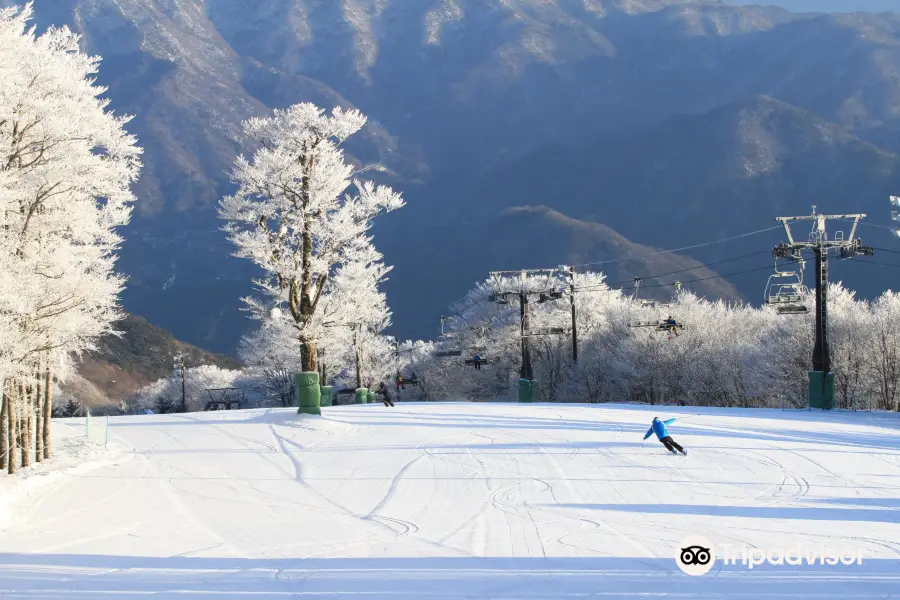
[{"x": 821, "y": 389}]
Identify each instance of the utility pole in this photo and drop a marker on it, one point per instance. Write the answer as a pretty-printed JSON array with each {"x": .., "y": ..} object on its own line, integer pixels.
[
  {"x": 180, "y": 362},
  {"x": 574, "y": 320},
  {"x": 356, "y": 327},
  {"x": 821, "y": 379}
]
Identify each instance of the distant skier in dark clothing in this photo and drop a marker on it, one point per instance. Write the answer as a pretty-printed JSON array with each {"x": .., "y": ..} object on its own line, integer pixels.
[
  {"x": 385, "y": 394},
  {"x": 659, "y": 428},
  {"x": 477, "y": 362}
]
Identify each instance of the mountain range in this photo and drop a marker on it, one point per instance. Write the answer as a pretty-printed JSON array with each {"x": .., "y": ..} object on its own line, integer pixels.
[
  {"x": 836, "y": 6},
  {"x": 523, "y": 133}
]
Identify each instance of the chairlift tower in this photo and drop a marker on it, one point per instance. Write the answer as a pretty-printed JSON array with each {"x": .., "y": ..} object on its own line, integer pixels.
[
  {"x": 821, "y": 379},
  {"x": 527, "y": 384}
]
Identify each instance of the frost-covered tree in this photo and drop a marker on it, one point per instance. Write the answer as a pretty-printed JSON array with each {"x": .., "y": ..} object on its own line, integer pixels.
[
  {"x": 66, "y": 167},
  {"x": 353, "y": 313},
  {"x": 850, "y": 326},
  {"x": 885, "y": 345},
  {"x": 292, "y": 214},
  {"x": 733, "y": 355}
]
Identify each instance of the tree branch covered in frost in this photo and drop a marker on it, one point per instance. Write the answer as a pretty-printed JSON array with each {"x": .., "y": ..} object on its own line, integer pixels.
[{"x": 66, "y": 169}]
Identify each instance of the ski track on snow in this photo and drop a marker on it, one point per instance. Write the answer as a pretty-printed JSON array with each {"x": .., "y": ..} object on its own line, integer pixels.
[{"x": 461, "y": 501}]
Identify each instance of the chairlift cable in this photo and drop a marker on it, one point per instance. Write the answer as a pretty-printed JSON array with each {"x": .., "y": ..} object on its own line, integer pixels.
[
  {"x": 726, "y": 275},
  {"x": 712, "y": 243},
  {"x": 718, "y": 262},
  {"x": 881, "y": 264}
]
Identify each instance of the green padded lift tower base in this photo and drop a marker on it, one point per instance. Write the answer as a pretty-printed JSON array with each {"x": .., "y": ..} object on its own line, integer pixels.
[
  {"x": 527, "y": 390},
  {"x": 370, "y": 397},
  {"x": 327, "y": 395},
  {"x": 821, "y": 390},
  {"x": 308, "y": 393},
  {"x": 362, "y": 395}
]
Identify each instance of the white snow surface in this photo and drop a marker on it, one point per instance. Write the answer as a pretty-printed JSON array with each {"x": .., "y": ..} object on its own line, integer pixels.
[{"x": 460, "y": 501}]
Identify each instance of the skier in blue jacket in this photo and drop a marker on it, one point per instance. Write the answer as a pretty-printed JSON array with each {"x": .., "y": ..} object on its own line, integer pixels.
[{"x": 659, "y": 428}]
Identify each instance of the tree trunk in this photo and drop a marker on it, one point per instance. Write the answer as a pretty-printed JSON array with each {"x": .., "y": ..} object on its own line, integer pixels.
[
  {"x": 27, "y": 417},
  {"x": 4, "y": 431},
  {"x": 48, "y": 409},
  {"x": 309, "y": 355},
  {"x": 309, "y": 358},
  {"x": 11, "y": 425},
  {"x": 39, "y": 418}
]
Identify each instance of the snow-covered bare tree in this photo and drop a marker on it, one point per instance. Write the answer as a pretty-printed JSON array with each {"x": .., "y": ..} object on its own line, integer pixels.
[
  {"x": 293, "y": 217},
  {"x": 352, "y": 315},
  {"x": 66, "y": 167},
  {"x": 886, "y": 350}
]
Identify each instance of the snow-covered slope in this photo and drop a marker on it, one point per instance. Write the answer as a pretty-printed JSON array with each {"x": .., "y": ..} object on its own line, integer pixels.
[{"x": 468, "y": 501}]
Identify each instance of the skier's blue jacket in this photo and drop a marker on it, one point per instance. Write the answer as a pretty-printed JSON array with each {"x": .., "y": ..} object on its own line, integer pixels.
[{"x": 659, "y": 428}]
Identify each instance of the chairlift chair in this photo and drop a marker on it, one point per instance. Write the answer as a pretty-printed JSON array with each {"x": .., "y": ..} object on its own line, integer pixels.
[
  {"x": 223, "y": 402},
  {"x": 787, "y": 298},
  {"x": 548, "y": 296},
  {"x": 477, "y": 362},
  {"x": 671, "y": 326},
  {"x": 448, "y": 353}
]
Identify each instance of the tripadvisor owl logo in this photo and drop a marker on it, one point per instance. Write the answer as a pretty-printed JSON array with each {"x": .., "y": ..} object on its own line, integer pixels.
[{"x": 695, "y": 556}]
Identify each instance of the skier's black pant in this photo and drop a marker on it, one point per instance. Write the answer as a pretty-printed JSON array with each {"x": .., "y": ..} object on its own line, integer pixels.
[{"x": 669, "y": 443}]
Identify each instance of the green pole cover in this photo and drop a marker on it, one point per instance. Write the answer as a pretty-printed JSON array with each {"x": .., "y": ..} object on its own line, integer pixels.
[
  {"x": 821, "y": 390},
  {"x": 327, "y": 395},
  {"x": 308, "y": 393},
  {"x": 527, "y": 390},
  {"x": 361, "y": 395}
]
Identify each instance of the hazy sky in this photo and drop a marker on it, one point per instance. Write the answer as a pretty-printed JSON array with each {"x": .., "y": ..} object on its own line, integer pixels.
[{"x": 829, "y": 5}]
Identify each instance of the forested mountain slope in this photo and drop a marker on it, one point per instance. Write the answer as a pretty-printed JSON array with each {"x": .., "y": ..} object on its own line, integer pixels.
[{"x": 460, "y": 91}]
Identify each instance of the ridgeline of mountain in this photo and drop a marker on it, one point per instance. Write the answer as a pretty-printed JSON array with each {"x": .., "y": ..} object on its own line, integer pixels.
[
  {"x": 456, "y": 252},
  {"x": 459, "y": 92},
  {"x": 837, "y": 6}
]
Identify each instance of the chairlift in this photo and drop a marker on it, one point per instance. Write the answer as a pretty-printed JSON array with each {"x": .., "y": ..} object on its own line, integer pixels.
[
  {"x": 224, "y": 399},
  {"x": 671, "y": 326},
  {"x": 477, "y": 361},
  {"x": 648, "y": 303},
  {"x": 786, "y": 297},
  {"x": 548, "y": 296}
]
